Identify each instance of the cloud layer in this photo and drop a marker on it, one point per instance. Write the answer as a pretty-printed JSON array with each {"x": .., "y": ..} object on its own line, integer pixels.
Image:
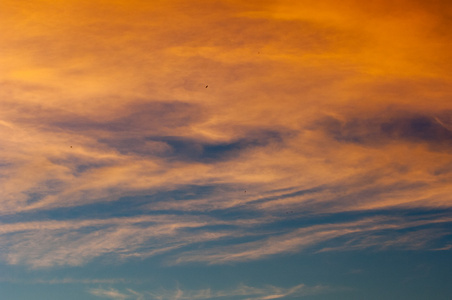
[
  {"x": 240, "y": 292},
  {"x": 147, "y": 128}
]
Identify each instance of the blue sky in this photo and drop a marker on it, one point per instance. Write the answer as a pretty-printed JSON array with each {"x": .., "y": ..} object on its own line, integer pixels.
[{"x": 225, "y": 150}]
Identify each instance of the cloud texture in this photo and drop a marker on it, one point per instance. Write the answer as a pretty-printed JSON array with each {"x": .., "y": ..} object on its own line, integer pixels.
[{"x": 148, "y": 127}]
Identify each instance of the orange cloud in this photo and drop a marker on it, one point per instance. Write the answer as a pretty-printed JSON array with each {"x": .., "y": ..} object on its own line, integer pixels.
[{"x": 315, "y": 106}]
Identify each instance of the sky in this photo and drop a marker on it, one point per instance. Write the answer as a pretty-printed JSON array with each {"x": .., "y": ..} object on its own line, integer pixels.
[{"x": 243, "y": 150}]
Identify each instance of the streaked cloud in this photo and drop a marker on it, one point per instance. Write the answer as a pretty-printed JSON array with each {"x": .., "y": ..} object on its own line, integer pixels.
[
  {"x": 240, "y": 292},
  {"x": 52, "y": 243},
  {"x": 374, "y": 233},
  {"x": 77, "y": 242},
  {"x": 223, "y": 132},
  {"x": 110, "y": 293}
]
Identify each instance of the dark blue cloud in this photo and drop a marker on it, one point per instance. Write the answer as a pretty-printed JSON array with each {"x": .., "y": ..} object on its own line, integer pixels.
[
  {"x": 197, "y": 150},
  {"x": 34, "y": 197},
  {"x": 46, "y": 188},
  {"x": 80, "y": 165},
  {"x": 403, "y": 126}
]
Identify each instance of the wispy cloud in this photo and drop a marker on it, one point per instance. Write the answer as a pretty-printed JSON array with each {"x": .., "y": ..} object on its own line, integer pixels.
[
  {"x": 219, "y": 131},
  {"x": 110, "y": 293},
  {"x": 241, "y": 292},
  {"x": 377, "y": 233},
  {"x": 47, "y": 244},
  {"x": 83, "y": 133},
  {"x": 75, "y": 243}
]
